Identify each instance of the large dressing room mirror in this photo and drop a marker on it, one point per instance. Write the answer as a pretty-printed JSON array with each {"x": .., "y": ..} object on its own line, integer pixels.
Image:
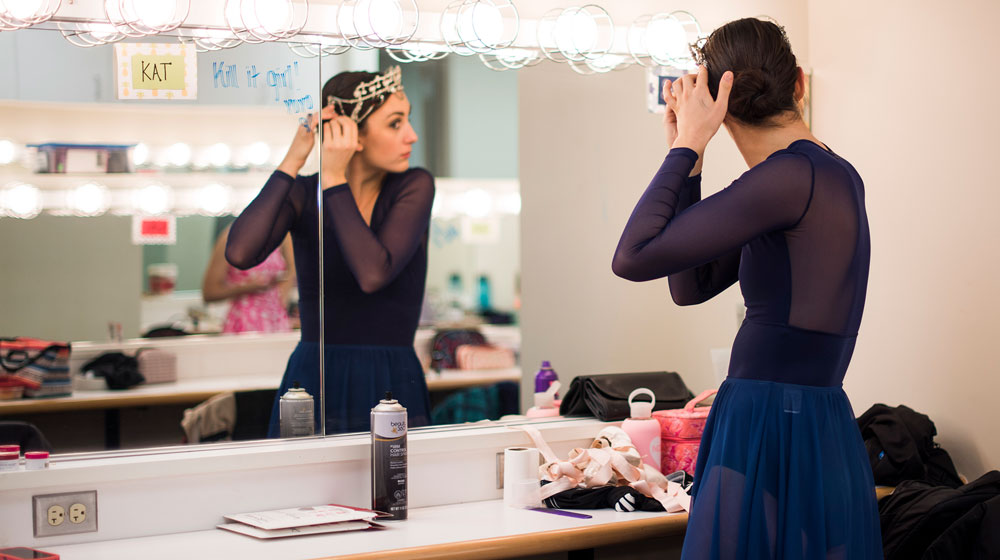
[{"x": 117, "y": 206}]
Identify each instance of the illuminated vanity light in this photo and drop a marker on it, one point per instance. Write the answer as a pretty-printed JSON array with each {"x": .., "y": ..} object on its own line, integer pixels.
[
  {"x": 509, "y": 203},
  {"x": 576, "y": 32},
  {"x": 178, "y": 155},
  {"x": 153, "y": 199},
  {"x": 382, "y": 18},
  {"x": 664, "y": 39},
  {"x": 89, "y": 199},
  {"x": 140, "y": 154},
  {"x": 16, "y": 14},
  {"x": 477, "y": 203},
  {"x": 159, "y": 15},
  {"x": 274, "y": 16},
  {"x": 215, "y": 199},
  {"x": 21, "y": 200},
  {"x": 8, "y": 152},
  {"x": 218, "y": 155},
  {"x": 256, "y": 154}
]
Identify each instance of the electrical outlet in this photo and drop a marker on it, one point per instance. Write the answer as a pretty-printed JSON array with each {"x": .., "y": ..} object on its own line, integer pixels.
[{"x": 64, "y": 514}]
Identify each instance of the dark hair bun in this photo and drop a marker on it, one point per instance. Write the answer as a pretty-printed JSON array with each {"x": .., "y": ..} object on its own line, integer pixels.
[
  {"x": 763, "y": 66},
  {"x": 755, "y": 97}
]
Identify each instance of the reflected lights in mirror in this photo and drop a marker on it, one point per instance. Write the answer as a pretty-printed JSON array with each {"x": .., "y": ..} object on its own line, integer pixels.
[
  {"x": 153, "y": 199},
  {"x": 215, "y": 199},
  {"x": 89, "y": 199},
  {"x": 21, "y": 200},
  {"x": 8, "y": 152}
]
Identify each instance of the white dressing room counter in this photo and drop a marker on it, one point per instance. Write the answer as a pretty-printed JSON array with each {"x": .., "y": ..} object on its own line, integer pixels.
[{"x": 480, "y": 530}]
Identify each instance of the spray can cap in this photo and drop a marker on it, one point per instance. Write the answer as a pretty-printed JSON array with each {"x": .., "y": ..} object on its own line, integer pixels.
[
  {"x": 640, "y": 409},
  {"x": 295, "y": 392}
]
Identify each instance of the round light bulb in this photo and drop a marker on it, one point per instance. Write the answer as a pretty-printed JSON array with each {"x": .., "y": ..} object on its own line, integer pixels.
[
  {"x": 179, "y": 154},
  {"x": 89, "y": 199},
  {"x": 153, "y": 199},
  {"x": 140, "y": 154},
  {"x": 257, "y": 154},
  {"x": 381, "y": 17},
  {"x": 218, "y": 155},
  {"x": 22, "y": 201},
  {"x": 8, "y": 152},
  {"x": 274, "y": 16},
  {"x": 154, "y": 13},
  {"x": 23, "y": 9},
  {"x": 477, "y": 203},
  {"x": 576, "y": 32},
  {"x": 214, "y": 199},
  {"x": 487, "y": 23},
  {"x": 666, "y": 39}
]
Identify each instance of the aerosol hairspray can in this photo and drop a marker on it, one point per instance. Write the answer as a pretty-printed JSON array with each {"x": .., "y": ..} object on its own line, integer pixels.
[
  {"x": 389, "y": 457},
  {"x": 295, "y": 413}
]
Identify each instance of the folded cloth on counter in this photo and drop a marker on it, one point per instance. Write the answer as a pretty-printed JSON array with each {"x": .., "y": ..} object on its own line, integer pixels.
[
  {"x": 118, "y": 370},
  {"x": 621, "y": 498},
  {"x": 605, "y": 396}
]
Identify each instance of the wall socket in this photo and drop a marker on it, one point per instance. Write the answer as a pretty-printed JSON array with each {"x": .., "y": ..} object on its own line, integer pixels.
[{"x": 64, "y": 514}]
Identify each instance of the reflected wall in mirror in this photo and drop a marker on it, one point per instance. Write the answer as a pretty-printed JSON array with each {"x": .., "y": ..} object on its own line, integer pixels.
[{"x": 80, "y": 275}]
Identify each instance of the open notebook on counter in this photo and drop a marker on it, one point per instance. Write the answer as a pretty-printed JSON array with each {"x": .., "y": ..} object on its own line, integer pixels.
[{"x": 309, "y": 520}]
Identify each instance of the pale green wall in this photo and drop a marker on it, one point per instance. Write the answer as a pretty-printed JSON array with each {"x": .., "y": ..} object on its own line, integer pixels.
[{"x": 64, "y": 278}]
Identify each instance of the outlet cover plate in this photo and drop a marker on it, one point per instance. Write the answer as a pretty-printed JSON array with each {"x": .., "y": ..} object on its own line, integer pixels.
[{"x": 40, "y": 506}]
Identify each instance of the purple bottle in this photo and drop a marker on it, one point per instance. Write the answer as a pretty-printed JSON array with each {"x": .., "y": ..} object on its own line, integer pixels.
[{"x": 545, "y": 377}]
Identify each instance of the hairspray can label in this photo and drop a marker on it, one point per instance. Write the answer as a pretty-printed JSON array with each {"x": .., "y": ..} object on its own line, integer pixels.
[
  {"x": 295, "y": 413},
  {"x": 389, "y": 458}
]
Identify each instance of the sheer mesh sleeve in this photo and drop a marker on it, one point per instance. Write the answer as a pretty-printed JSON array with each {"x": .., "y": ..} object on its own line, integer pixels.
[
  {"x": 696, "y": 242},
  {"x": 375, "y": 259},
  {"x": 262, "y": 226}
]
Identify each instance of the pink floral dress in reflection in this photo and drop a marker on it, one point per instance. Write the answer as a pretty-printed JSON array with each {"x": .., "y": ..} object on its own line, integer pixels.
[{"x": 260, "y": 311}]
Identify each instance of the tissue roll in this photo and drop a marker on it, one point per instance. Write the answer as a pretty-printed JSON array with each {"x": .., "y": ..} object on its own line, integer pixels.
[{"x": 520, "y": 465}]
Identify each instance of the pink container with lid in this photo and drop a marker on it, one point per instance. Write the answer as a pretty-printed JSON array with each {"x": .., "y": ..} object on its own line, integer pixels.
[
  {"x": 9, "y": 448},
  {"x": 680, "y": 434}
]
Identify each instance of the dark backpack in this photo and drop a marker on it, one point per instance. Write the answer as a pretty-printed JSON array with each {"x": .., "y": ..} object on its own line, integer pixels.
[
  {"x": 446, "y": 342},
  {"x": 900, "y": 446},
  {"x": 917, "y": 514}
]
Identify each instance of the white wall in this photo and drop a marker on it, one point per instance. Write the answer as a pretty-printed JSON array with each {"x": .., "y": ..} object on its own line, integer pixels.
[
  {"x": 884, "y": 76},
  {"x": 588, "y": 148},
  {"x": 910, "y": 102}
]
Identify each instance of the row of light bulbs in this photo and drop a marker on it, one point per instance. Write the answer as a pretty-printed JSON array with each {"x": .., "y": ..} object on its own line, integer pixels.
[
  {"x": 582, "y": 36},
  {"x": 219, "y": 155},
  {"x": 180, "y": 154},
  {"x": 26, "y": 201}
]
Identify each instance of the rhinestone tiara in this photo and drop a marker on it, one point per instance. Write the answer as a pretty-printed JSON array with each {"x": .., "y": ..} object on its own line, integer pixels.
[{"x": 378, "y": 87}]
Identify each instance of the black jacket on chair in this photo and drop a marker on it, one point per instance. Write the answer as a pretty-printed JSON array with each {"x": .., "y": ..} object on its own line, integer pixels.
[{"x": 922, "y": 521}]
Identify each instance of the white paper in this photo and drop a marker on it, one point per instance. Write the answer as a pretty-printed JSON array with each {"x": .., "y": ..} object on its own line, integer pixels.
[
  {"x": 293, "y": 531},
  {"x": 301, "y": 517}
]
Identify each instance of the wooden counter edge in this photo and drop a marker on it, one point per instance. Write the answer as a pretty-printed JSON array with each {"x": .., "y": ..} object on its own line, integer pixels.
[
  {"x": 513, "y": 546},
  {"x": 577, "y": 538}
]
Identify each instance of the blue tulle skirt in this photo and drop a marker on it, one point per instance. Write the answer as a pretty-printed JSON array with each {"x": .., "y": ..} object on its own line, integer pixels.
[
  {"x": 357, "y": 377},
  {"x": 782, "y": 473}
]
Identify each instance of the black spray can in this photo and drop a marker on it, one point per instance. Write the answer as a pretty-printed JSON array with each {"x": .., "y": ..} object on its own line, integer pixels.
[{"x": 389, "y": 457}]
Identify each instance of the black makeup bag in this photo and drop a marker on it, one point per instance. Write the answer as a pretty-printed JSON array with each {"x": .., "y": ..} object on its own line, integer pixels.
[{"x": 605, "y": 396}]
